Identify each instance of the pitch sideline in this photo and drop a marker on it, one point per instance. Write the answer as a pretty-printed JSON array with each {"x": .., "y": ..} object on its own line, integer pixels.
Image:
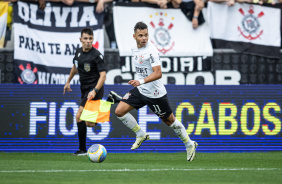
[{"x": 143, "y": 170}]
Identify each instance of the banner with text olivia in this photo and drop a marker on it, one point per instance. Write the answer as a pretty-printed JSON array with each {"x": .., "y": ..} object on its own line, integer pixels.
[
  {"x": 46, "y": 40},
  {"x": 169, "y": 30}
]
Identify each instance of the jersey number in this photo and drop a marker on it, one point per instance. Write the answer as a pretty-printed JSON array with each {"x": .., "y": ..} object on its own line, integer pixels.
[{"x": 157, "y": 109}]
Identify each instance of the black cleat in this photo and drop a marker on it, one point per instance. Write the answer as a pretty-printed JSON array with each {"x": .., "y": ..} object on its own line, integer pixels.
[
  {"x": 114, "y": 97},
  {"x": 80, "y": 153}
]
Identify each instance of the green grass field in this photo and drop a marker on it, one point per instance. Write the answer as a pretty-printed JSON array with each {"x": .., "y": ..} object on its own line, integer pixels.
[{"x": 217, "y": 168}]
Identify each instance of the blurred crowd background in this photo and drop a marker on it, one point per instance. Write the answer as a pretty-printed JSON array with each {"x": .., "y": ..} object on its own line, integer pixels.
[{"x": 191, "y": 8}]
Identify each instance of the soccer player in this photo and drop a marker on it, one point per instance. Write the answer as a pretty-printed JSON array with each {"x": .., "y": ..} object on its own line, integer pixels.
[
  {"x": 149, "y": 90},
  {"x": 89, "y": 64}
]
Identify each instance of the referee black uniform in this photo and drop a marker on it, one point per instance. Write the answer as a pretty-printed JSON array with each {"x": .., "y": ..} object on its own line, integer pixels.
[{"x": 89, "y": 64}]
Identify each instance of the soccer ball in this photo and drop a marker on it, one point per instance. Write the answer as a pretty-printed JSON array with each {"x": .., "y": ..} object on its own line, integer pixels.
[{"x": 97, "y": 153}]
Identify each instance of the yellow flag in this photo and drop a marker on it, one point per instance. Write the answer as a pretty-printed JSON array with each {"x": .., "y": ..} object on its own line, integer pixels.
[{"x": 96, "y": 111}]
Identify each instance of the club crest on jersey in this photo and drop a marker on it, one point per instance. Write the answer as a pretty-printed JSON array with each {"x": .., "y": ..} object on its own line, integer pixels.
[
  {"x": 140, "y": 59},
  {"x": 87, "y": 67},
  {"x": 162, "y": 39},
  {"x": 250, "y": 24}
]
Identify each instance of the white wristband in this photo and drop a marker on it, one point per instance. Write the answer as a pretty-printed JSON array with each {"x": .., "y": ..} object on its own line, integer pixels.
[
  {"x": 91, "y": 1},
  {"x": 142, "y": 81}
]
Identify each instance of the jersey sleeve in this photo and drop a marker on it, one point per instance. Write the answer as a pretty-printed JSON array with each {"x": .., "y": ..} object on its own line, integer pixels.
[
  {"x": 74, "y": 60},
  {"x": 101, "y": 65},
  {"x": 154, "y": 57}
]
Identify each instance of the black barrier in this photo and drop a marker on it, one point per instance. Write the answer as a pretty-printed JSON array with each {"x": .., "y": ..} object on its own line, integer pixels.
[
  {"x": 7, "y": 67},
  {"x": 226, "y": 67},
  {"x": 252, "y": 69}
]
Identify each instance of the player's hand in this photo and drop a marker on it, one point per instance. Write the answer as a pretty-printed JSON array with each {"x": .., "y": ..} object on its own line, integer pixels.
[
  {"x": 100, "y": 6},
  {"x": 162, "y": 3},
  {"x": 194, "y": 23},
  {"x": 91, "y": 95},
  {"x": 42, "y": 4},
  {"x": 230, "y": 2},
  {"x": 67, "y": 88},
  {"x": 199, "y": 5},
  {"x": 134, "y": 83}
]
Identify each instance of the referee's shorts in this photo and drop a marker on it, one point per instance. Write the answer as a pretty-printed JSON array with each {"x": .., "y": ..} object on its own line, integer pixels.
[{"x": 86, "y": 90}]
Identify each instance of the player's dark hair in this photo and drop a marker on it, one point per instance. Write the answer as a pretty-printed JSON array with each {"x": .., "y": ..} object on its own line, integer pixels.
[
  {"x": 140, "y": 25},
  {"x": 88, "y": 31}
]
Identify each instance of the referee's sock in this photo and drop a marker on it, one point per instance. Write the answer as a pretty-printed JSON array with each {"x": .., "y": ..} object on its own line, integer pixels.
[
  {"x": 129, "y": 121},
  {"x": 180, "y": 131},
  {"x": 81, "y": 126}
]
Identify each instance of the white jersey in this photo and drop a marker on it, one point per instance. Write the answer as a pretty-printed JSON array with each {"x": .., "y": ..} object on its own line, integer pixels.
[{"x": 144, "y": 60}]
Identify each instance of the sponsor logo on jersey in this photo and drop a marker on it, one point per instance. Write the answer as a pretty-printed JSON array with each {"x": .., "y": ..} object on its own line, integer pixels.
[
  {"x": 145, "y": 91},
  {"x": 156, "y": 92},
  {"x": 152, "y": 58},
  {"x": 142, "y": 71},
  {"x": 76, "y": 63}
]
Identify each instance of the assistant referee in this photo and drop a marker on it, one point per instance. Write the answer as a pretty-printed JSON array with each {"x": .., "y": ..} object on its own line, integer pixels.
[{"x": 89, "y": 63}]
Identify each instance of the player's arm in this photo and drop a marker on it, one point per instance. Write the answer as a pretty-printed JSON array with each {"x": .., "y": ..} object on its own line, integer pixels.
[
  {"x": 101, "y": 66},
  {"x": 72, "y": 74},
  {"x": 101, "y": 80},
  {"x": 157, "y": 74},
  {"x": 99, "y": 85},
  {"x": 67, "y": 2}
]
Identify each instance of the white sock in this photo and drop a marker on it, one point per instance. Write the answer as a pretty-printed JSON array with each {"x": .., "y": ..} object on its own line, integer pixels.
[
  {"x": 129, "y": 121},
  {"x": 180, "y": 131}
]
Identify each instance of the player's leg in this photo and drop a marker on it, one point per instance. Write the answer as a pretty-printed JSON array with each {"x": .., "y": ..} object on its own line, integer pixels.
[
  {"x": 160, "y": 106},
  {"x": 81, "y": 126},
  {"x": 178, "y": 128},
  {"x": 122, "y": 112},
  {"x": 180, "y": 131},
  {"x": 129, "y": 102}
]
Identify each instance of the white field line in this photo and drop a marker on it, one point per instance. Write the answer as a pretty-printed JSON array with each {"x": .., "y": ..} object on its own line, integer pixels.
[{"x": 141, "y": 170}]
